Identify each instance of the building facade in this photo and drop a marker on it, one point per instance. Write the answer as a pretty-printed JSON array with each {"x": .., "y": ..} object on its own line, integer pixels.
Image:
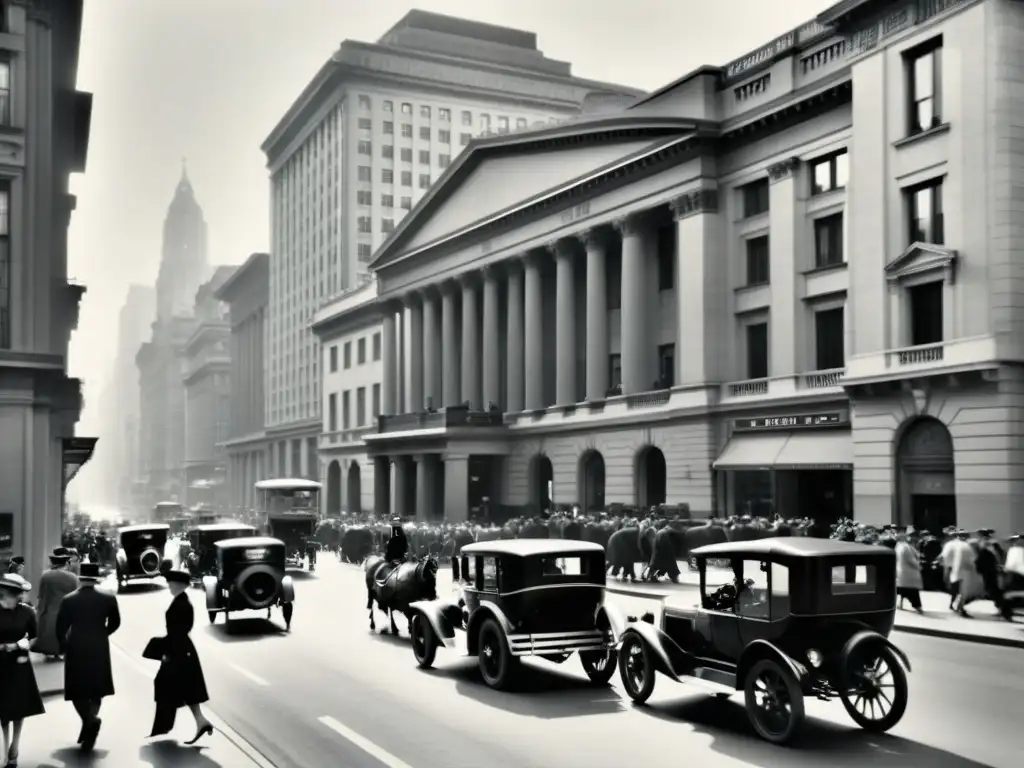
[
  {"x": 208, "y": 397},
  {"x": 348, "y": 330},
  {"x": 784, "y": 284},
  {"x": 246, "y": 295},
  {"x": 360, "y": 146},
  {"x": 44, "y": 129}
]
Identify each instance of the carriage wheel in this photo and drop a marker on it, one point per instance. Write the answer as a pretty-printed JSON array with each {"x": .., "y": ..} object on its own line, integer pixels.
[
  {"x": 493, "y": 656},
  {"x": 775, "y": 703},
  {"x": 636, "y": 668},
  {"x": 599, "y": 665},
  {"x": 424, "y": 643},
  {"x": 876, "y": 694}
]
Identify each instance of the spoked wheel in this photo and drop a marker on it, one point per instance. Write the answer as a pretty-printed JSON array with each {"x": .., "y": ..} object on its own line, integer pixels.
[
  {"x": 599, "y": 665},
  {"x": 875, "y": 694},
  {"x": 495, "y": 660},
  {"x": 775, "y": 703},
  {"x": 424, "y": 644},
  {"x": 636, "y": 668}
]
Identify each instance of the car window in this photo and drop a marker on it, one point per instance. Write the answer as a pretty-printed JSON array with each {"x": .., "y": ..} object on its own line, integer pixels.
[
  {"x": 780, "y": 591},
  {"x": 489, "y": 573},
  {"x": 563, "y": 566},
  {"x": 469, "y": 570},
  {"x": 752, "y": 599},
  {"x": 717, "y": 575},
  {"x": 853, "y": 580}
]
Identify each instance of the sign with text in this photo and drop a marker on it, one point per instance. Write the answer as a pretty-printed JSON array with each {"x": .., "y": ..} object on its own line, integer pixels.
[{"x": 799, "y": 421}]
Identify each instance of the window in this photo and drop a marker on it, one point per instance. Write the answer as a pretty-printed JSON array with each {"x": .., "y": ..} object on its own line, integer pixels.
[
  {"x": 444, "y": 160},
  {"x": 347, "y": 355},
  {"x": 425, "y": 133},
  {"x": 376, "y": 401},
  {"x": 757, "y": 351},
  {"x": 614, "y": 371},
  {"x": 387, "y": 151},
  {"x": 376, "y": 347},
  {"x": 780, "y": 590},
  {"x": 666, "y": 258},
  {"x": 406, "y": 131},
  {"x": 406, "y": 154},
  {"x": 365, "y": 173},
  {"x": 489, "y": 574},
  {"x": 364, "y": 251},
  {"x": 755, "y": 198},
  {"x": 387, "y": 201},
  {"x": 666, "y": 366},
  {"x": 425, "y": 112},
  {"x": 853, "y": 580},
  {"x": 424, "y": 181},
  {"x": 485, "y": 123},
  {"x": 406, "y": 178},
  {"x": 389, "y": 128},
  {"x": 425, "y": 156},
  {"x": 365, "y": 124},
  {"x": 389, "y": 106},
  {"x": 364, "y": 103},
  {"x": 444, "y": 115},
  {"x": 387, "y": 225},
  {"x": 502, "y": 125},
  {"x": 758, "y": 261},
  {"x": 924, "y": 77},
  {"x": 345, "y": 423},
  {"x": 363, "y": 224},
  {"x": 467, "y": 117},
  {"x": 925, "y": 313},
  {"x": 444, "y": 137},
  {"x": 830, "y": 173},
  {"x": 828, "y": 339},
  {"x": 924, "y": 206},
  {"x": 5, "y": 93},
  {"x": 334, "y": 358},
  {"x": 752, "y": 599},
  {"x": 406, "y": 204},
  {"x": 467, "y": 573},
  {"x": 364, "y": 197},
  {"x": 387, "y": 175},
  {"x": 563, "y": 566},
  {"x": 332, "y": 413},
  {"x": 361, "y": 351},
  {"x": 465, "y": 138},
  {"x": 361, "y": 407},
  {"x": 828, "y": 241},
  {"x": 406, "y": 108},
  {"x": 520, "y": 123}
]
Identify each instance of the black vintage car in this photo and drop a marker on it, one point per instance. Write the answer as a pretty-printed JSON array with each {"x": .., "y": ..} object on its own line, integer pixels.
[
  {"x": 250, "y": 576},
  {"x": 795, "y": 618},
  {"x": 298, "y": 532},
  {"x": 202, "y": 556},
  {"x": 140, "y": 552},
  {"x": 524, "y": 597}
]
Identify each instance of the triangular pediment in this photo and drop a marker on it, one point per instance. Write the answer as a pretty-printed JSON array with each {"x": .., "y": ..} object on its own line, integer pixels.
[{"x": 919, "y": 258}]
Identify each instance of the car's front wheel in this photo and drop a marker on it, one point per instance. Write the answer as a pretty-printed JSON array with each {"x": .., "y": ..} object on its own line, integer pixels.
[
  {"x": 636, "y": 668},
  {"x": 424, "y": 643},
  {"x": 875, "y": 693},
  {"x": 775, "y": 703},
  {"x": 495, "y": 661}
]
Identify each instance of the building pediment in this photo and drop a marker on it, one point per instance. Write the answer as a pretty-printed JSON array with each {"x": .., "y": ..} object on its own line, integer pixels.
[{"x": 921, "y": 258}]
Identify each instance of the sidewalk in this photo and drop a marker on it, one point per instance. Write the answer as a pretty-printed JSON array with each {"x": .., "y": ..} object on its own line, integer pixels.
[{"x": 48, "y": 740}]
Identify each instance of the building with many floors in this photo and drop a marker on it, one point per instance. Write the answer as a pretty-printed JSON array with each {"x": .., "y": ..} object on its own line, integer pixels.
[
  {"x": 246, "y": 294},
  {"x": 783, "y": 284},
  {"x": 44, "y": 137},
  {"x": 377, "y": 125}
]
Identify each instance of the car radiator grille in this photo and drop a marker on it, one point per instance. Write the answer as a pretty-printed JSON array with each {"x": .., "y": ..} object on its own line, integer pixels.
[{"x": 559, "y": 642}]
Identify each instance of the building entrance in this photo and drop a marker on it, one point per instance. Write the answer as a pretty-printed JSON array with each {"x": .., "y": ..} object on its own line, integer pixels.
[{"x": 925, "y": 476}]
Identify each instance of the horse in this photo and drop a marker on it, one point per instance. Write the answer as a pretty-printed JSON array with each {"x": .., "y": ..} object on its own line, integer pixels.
[{"x": 395, "y": 586}]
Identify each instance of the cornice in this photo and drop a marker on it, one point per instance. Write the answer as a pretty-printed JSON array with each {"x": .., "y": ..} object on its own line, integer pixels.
[
  {"x": 783, "y": 170},
  {"x": 702, "y": 200}
]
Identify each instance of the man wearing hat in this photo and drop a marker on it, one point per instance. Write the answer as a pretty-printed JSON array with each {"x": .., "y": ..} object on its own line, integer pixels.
[
  {"x": 86, "y": 619},
  {"x": 398, "y": 545},
  {"x": 53, "y": 586}
]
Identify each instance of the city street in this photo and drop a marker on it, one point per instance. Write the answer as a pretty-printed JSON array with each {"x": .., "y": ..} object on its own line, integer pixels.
[{"x": 331, "y": 693}]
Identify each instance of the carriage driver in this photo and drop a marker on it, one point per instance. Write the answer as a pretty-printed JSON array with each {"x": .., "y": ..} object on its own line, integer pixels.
[{"x": 397, "y": 548}]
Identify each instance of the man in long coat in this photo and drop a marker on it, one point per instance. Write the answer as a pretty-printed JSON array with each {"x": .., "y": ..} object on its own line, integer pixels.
[
  {"x": 85, "y": 622},
  {"x": 53, "y": 586}
]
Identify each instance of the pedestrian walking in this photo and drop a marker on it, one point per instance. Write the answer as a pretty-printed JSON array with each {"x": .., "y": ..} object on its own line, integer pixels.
[
  {"x": 86, "y": 620},
  {"x": 53, "y": 586},
  {"x": 179, "y": 681},
  {"x": 19, "y": 693},
  {"x": 909, "y": 581}
]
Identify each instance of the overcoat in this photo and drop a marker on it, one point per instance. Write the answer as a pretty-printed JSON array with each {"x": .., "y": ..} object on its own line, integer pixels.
[
  {"x": 19, "y": 693},
  {"x": 86, "y": 619},
  {"x": 908, "y": 567},
  {"x": 53, "y": 586},
  {"x": 179, "y": 681}
]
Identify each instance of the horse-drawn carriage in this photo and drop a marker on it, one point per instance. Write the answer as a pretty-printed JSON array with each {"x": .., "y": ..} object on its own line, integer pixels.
[
  {"x": 797, "y": 617},
  {"x": 140, "y": 552},
  {"x": 202, "y": 556},
  {"x": 250, "y": 576},
  {"x": 292, "y": 510}
]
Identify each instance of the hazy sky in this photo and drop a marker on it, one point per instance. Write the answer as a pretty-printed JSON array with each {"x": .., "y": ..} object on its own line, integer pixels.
[{"x": 208, "y": 80}]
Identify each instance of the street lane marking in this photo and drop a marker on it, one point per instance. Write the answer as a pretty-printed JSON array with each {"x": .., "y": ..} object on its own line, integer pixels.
[
  {"x": 366, "y": 745},
  {"x": 249, "y": 675}
]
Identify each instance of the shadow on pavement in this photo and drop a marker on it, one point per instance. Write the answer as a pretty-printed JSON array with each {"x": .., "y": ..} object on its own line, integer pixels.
[
  {"x": 244, "y": 629},
  {"x": 72, "y": 757},
  {"x": 821, "y": 742},
  {"x": 139, "y": 588},
  {"x": 300, "y": 574},
  {"x": 401, "y": 640},
  {"x": 167, "y": 753}
]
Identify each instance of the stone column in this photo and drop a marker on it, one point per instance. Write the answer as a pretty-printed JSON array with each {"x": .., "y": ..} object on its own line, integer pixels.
[
  {"x": 456, "y": 487},
  {"x": 565, "y": 323},
  {"x": 598, "y": 364},
  {"x": 426, "y": 484},
  {"x": 449, "y": 346},
  {"x": 470, "y": 344},
  {"x": 414, "y": 393},
  {"x": 401, "y": 467},
  {"x": 533, "y": 321},
  {"x": 786, "y": 226},
  {"x": 514, "y": 401},
  {"x": 634, "y": 307},
  {"x": 491, "y": 340},
  {"x": 382, "y": 487},
  {"x": 389, "y": 355},
  {"x": 431, "y": 351}
]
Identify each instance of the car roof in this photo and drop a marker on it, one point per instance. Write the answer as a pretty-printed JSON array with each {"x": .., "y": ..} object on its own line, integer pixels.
[
  {"x": 145, "y": 528},
  {"x": 225, "y": 527},
  {"x": 288, "y": 484},
  {"x": 530, "y": 547},
  {"x": 792, "y": 546},
  {"x": 248, "y": 542}
]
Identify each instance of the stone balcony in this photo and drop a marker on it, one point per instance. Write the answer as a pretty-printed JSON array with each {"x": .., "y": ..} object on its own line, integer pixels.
[
  {"x": 942, "y": 358},
  {"x": 454, "y": 417},
  {"x": 811, "y": 382}
]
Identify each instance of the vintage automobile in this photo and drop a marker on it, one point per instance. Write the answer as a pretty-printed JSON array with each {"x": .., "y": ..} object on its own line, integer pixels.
[
  {"x": 140, "y": 552},
  {"x": 179, "y": 525},
  {"x": 795, "y": 618},
  {"x": 291, "y": 506},
  {"x": 250, "y": 576},
  {"x": 523, "y": 597},
  {"x": 202, "y": 557}
]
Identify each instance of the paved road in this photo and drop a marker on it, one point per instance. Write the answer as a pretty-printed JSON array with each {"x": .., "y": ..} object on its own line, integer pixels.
[{"x": 330, "y": 693}]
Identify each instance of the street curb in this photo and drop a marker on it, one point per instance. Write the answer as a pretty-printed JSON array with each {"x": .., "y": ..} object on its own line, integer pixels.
[{"x": 944, "y": 634}]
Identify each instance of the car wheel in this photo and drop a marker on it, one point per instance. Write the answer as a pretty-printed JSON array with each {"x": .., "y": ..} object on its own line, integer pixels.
[
  {"x": 424, "y": 643},
  {"x": 493, "y": 656},
  {"x": 213, "y": 616},
  {"x": 875, "y": 693},
  {"x": 599, "y": 665},
  {"x": 775, "y": 703},
  {"x": 636, "y": 669}
]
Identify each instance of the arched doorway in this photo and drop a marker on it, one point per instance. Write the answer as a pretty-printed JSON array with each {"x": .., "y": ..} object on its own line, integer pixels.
[
  {"x": 591, "y": 481},
  {"x": 541, "y": 477},
  {"x": 925, "y": 477},
  {"x": 334, "y": 489},
  {"x": 354, "y": 489},
  {"x": 650, "y": 477}
]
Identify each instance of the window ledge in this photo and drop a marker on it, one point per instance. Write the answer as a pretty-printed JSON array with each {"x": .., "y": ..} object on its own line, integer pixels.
[
  {"x": 913, "y": 138},
  {"x": 826, "y": 268},
  {"x": 752, "y": 286}
]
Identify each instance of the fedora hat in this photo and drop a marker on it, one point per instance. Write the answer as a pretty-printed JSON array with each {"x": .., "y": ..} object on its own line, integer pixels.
[
  {"x": 14, "y": 582},
  {"x": 178, "y": 576},
  {"x": 59, "y": 555},
  {"x": 89, "y": 572}
]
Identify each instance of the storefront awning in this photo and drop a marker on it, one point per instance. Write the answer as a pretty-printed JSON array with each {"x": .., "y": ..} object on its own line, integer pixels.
[
  {"x": 752, "y": 452},
  {"x": 811, "y": 449},
  {"x": 76, "y": 451}
]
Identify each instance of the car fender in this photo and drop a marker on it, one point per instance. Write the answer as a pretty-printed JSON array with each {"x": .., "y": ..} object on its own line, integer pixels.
[
  {"x": 486, "y": 609},
  {"x": 210, "y": 587},
  {"x": 287, "y": 589},
  {"x": 869, "y": 636},
  {"x": 433, "y": 611},
  {"x": 615, "y": 619},
  {"x": 762, "y": 649},
  {"x": 657, "y": 641}
]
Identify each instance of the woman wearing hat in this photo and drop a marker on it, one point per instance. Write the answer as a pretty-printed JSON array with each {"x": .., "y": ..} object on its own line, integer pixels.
[{"x": 19, "y": 693}]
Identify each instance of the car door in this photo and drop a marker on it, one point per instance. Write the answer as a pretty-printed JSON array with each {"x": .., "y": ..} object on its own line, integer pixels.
[
  {"x": 754, "y": 604},
  {"x": 720, "y": 627}
]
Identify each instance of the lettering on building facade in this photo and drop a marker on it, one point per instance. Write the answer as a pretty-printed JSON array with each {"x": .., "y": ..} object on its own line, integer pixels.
[{"x": 798, "y": 421}]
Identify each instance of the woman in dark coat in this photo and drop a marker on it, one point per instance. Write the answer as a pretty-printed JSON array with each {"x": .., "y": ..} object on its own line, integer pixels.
[
  {"x": 19, "y": 693},
  {"x": 180, "y": 681}
]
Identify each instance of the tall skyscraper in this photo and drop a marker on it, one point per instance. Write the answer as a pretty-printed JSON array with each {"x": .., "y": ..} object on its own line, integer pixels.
[
  {"x": 378, "y": 124},
  {"x": 184, "y": 265}
]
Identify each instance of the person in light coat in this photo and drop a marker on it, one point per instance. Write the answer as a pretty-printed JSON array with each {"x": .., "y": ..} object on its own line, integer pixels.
[{"x": 909, "y": 582}]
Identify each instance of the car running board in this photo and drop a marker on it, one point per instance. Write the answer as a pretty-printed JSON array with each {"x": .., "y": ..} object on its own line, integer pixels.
[{"x": 712, "y": 680}]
